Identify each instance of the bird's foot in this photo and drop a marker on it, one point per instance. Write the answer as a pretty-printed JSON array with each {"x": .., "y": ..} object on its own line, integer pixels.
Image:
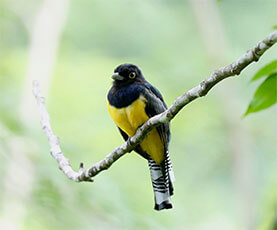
[{"x": 129, "y": 142}]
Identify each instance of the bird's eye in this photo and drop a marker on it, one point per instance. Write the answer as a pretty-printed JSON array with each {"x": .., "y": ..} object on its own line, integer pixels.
[{"x": 132, "y": 75}]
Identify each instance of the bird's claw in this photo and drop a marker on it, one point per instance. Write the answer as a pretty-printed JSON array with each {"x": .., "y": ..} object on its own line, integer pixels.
[{"x": 129, "y": 142}]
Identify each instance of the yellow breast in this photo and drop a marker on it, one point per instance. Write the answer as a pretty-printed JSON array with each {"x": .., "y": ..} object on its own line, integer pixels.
[{"x": 130, "y": 118}]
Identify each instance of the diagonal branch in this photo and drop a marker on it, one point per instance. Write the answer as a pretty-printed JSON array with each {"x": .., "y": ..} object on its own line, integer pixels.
[{"x": 201, "y": 90}]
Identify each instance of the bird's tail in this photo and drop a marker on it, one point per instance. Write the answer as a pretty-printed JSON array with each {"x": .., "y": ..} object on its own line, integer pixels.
[{"x": 162, "y": 177}]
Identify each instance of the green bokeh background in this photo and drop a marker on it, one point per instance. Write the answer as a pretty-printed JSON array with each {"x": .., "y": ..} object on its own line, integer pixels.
[{"x": 163, "y": 39}]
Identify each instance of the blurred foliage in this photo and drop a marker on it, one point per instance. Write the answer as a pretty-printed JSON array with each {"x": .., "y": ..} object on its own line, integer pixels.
[
  {"x": 162, "y": 38},
  {"x": 268, "y": 69},
  {"x": 266, "y": 94}
]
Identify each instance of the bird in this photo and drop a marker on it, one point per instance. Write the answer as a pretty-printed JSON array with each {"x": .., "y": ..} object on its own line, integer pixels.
[{"x": 131, "y": 101}]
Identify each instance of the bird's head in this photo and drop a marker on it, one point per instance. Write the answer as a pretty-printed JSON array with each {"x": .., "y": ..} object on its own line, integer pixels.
[{"x": 127, "y": 74}]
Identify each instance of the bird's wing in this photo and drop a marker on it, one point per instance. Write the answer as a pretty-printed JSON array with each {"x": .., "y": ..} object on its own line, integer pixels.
[
  {"x": 156, "y": 105},
  {"x": 157, "y": 93},
  {"x": 123, "y": 134}
]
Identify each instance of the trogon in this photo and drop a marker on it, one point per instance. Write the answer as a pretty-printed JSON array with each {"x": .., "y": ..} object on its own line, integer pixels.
[{"x": 131, "y": 102}]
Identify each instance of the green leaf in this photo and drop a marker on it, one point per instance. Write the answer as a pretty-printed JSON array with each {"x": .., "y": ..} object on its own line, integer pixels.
[
  {"x": 275, "y": 27},
  {"x": 266, "y": 70},
  {"x": 265, "y": 96}
]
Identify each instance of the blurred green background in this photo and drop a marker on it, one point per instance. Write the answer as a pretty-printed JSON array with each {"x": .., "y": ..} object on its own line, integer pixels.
[{"x": 225, "y": 166}]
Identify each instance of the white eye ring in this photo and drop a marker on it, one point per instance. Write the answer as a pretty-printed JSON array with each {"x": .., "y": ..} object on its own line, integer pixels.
[{"x": 132, "y": 75}]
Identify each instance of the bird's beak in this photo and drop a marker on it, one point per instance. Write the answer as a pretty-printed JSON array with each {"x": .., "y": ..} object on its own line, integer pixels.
[{"x": 118, "y": 77}]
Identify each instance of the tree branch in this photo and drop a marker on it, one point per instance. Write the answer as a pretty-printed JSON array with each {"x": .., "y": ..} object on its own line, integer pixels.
[{"x": 202, "y": 89}]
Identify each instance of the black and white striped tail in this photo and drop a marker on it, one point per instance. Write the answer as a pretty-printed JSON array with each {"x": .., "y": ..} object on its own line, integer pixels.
[{"x": 162, "y": 177}]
